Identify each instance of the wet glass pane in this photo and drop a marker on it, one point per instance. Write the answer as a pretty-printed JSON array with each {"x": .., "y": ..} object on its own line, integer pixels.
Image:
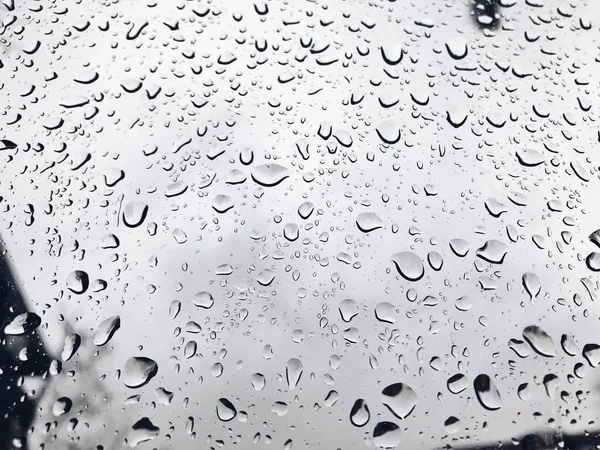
[{"x": 299, "y": 224}]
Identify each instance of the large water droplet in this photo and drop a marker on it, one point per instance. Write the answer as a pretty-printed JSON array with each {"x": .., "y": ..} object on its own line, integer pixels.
[
  {"x": 457, "y": 47},
  {"x": 78, "y": 281},
  {"x": 106, "y": 330},
  {"x": 269, "y": 174},
  {"x": 387, "y": 435},
  {"x": 258, "y": 381},
  {"x": 368, "y": 221},
  {"x": 23, "y": 323},
  {"x": 591, "y": 353},
  {"x": 409, "y": 265},
  {"x": 400, "y": 399},
  {"x": 359, "y": 414},
  {"x": 142, "y": 431},
  {"x": 487, "y": 393},
  {"x": 71, "y": 345},
  {"x": 457, "y": 383},
  {"x": 204, "y": 300},
  {"x": 459, "y": 247},
  {"x": 62, "y": 406},
  {"x": 388, "y": 132},
  {"x": 293, "y": 372},
  {"x": 493, "y": 251},
  {"x": 225, "y": 410},
  {"x": 348, "y": 309},
  {"x": 138, "y": 371},
  {"x": 385, "y": 312},
  {"x": 529, "y": 157},
  {"x": 539, "y": 341},
  {"x": 532, "y": 284},
  {"x": 134, "y": 213}
]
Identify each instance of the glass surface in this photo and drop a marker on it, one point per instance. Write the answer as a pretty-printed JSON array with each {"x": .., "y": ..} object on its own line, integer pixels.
[{"x": 299, "y": 224}]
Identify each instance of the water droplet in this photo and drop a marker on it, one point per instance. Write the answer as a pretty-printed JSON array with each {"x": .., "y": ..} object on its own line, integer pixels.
[
  {"x": 204, "y": 300},
  {"x": 593, "y": 261},
  {"x": 225, "y": 410},
  {"x": 435, "y": 260},
  {"x": 457, "y": 47},
  {"x": 591, "y": 353},
  {"x": 71, "y": 345},
  {"x": 532, "y": 284},
  {"x": 291, "y": 232},
  {"x": 222, "y": 203},
  {"x": 388, "y": 132},
  {"x": 368, "y": 221},
  {"x": 493, "y": 251},
  {"x": 138, "y": 371},
  {"x": 269, "y": 175},
  {"x": 457, "y": 383},
  {"x": 400, "y": 399},
  {"x": 23, "y": 324},
  {"x": 293, "y": 372},
  {"x": 409, "y": 265},
  {"x": 62, "y": 406},
  {"x": 348, "y": 309},
  {"x": 385, "y": 312},
  {"x": 258, "y": 381},
  {"x": 78, "y": 281},
  {"x": 265, "y": 277},
  {"x": 359, "y": 414},
  {"x": 142, "y": 431},
  {"x": 134, "y": 213},
  {"x": 387, "y": 435},
  {"x": 460, "y": 247},
  {"x": 106, "y": 330},
  {"x": 529, "y": 157},
  {"x": 539, "y": 341},
  {"x": 487, "y": 393},
  {"x": 452, "y": 425}
]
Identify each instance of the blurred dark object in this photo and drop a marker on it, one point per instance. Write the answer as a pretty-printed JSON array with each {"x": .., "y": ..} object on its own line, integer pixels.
[
  {"x": 485, "y": 14},
  {"x": 542, "y": 441},
  {"x": 16, "y": 409}
]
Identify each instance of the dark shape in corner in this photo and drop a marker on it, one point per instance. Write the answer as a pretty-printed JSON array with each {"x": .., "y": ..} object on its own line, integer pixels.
[{"x": 16, "y": 409}]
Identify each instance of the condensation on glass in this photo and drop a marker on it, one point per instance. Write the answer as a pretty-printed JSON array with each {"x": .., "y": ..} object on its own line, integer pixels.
[{"x": 299, "y": 224}]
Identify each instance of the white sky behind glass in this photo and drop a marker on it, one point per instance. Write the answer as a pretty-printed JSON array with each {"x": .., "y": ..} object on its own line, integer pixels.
[{"x": 479, "y": 163}]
